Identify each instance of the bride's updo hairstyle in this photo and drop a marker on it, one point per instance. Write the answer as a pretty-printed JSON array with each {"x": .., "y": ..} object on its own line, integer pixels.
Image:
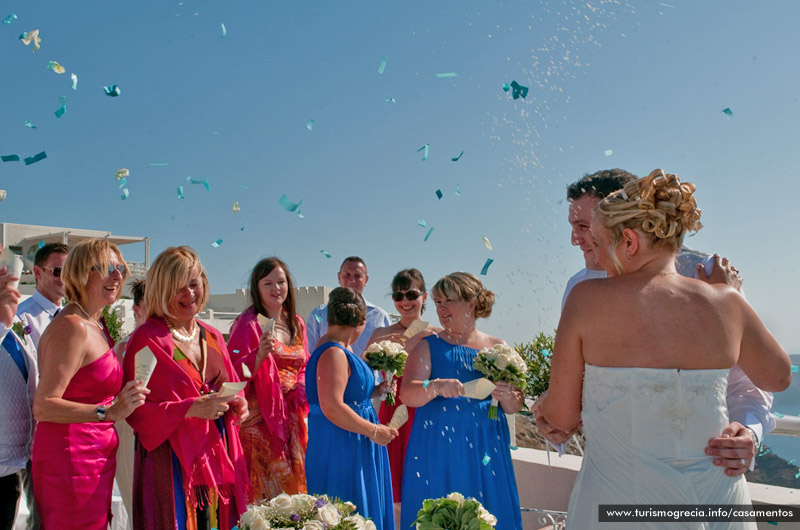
[{"x": 463, "y": 286}]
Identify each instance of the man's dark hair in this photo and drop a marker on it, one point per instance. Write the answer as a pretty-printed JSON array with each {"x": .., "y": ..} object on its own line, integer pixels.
[
  {"x": 353, "y": 259},
  {"x": 51, "y": 248},
  {"x": 137, "y": 290},
  {"x": 600, "y": 184}
]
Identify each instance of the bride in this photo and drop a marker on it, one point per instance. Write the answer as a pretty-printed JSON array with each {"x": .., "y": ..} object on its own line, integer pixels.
[{"x": 642, "y": 359}]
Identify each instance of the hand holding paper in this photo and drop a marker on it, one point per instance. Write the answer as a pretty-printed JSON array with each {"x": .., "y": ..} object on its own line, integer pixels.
[
  {"x": 399, "y": 418},
  {"x": 145, "y": 363}
]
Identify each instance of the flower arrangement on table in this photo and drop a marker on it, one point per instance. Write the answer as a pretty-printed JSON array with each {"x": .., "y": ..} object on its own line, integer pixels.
[
  {"x": 388, "y": 357},
  {"x": 454, "y": 512},
  {"x": 501, "y": 362},
  {"x": 303, "y": 512}
]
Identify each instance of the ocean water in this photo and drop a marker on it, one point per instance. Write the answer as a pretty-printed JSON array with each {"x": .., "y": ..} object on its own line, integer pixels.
[{"x": 787, "y": 402}]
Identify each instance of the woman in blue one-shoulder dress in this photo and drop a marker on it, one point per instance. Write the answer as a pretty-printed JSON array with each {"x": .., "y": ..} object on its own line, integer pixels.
[
  {"x": 454, "y": 446},
  {"x": 346, "y": 455}
]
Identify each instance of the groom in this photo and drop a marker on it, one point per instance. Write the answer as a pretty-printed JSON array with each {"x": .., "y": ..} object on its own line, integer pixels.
[{"x": 748, "y": 407}]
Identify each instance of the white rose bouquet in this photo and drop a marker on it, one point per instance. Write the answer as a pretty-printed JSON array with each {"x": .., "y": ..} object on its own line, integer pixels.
[
  {"x": 388, "y": 357},
  {"x": 454, "y": 512},
  {"x": 303, "y": 512},
  {"x": 501, "y": 363}
]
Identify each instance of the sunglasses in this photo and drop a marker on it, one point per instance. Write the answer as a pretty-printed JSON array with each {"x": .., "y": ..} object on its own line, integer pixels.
[
  {"x": 110, "y": 269},
  {"x": 397, "y": 296},
  {"x": 56, "y": 271}
]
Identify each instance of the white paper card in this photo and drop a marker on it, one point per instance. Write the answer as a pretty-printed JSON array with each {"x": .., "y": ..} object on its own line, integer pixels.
[
  {"x": 267, "y": 324},
  {"x": 399, "y": 417},
  {"x": 144, "y": 364},
  {"x": 478, "y": 388},
  {"x": 414, "y": 328},
  {"x": 230, "y": 389}
]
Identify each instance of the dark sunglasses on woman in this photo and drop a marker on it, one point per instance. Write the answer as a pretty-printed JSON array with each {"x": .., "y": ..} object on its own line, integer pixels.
[
  {"x": 408, "y": 295},
  {"x": 110, "y": 269}
]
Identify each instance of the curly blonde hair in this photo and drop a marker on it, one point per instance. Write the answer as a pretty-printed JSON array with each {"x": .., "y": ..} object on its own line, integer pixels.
[
  {"x": 464, "y": 287},
  {"x": 658, "y": 205}
]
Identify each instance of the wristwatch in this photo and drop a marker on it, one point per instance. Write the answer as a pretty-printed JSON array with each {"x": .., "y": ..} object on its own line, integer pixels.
[
  {"x": 754, "y": 435},
  {"x": 101, "y": 412}
]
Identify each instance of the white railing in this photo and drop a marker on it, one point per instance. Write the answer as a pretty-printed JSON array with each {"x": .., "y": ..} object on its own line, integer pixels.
[{"x": 787, "y": 426}]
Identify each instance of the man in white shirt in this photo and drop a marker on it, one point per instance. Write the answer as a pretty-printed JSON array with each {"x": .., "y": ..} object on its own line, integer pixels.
[
  {"x": 748, "y": 406},
  {"x": 353, "y": 274},
  {"x": 38, "y": 310}
]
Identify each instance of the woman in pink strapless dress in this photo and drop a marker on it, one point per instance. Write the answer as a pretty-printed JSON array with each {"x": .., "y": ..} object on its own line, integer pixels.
[{"x": 75, "y": 444}]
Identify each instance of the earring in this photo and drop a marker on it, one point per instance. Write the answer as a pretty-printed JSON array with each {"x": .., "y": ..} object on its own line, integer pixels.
[{"x": 628, "y": 255}]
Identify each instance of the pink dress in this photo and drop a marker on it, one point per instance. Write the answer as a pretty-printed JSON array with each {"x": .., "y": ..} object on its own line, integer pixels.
[{"x": 74, "y": 463}]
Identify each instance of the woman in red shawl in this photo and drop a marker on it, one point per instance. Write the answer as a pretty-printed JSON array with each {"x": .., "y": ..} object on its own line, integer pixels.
[
  {"x": 188, "y": 469},
  {"x": 274, "y": 436}
]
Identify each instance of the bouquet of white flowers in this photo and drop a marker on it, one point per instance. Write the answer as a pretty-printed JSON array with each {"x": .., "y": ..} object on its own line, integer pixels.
[
  {"x": 303, "y": 512},
  {"x": 501, "y": 363},
  {"x": 388, "y": 357},
  {"x": 454, "y": 512}
]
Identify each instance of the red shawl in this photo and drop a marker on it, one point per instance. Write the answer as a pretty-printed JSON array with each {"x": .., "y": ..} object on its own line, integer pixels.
[
  {"x": 196, "y": 442},
  {"x": 243, "y": 347}
]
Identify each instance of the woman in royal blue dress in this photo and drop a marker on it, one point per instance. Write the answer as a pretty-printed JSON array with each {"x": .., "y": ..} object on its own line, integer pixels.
[
  {"x": 346, "y": 455},
  {"x": 454, "y": 446}
]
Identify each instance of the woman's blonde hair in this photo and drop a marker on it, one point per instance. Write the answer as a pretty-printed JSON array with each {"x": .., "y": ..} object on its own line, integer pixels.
[
  {"x": 79, "y": 264},
  {"x": 168, "y": 274},
  {"x": 659, "y": 206},
  {"x": 464, "y": 287}
]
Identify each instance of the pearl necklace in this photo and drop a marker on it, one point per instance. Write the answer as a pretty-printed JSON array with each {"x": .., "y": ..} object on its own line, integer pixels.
[
  {"x": 180, "y": 337},
  {"x": 89, "y": 316}
]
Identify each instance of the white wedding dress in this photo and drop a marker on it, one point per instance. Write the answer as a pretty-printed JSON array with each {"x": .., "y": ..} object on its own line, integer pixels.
[{"x": 646, "y": 433}]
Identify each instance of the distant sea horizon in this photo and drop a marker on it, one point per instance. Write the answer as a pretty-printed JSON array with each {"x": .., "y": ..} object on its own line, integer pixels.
[{"x": 788, "y": 403}]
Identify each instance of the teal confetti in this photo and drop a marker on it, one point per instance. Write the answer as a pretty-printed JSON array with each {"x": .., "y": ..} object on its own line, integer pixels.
[
  {"x": 458, "y": 190},
  {"x": 422, "y": 223},
  {"x": 427, "y": 148},
  {"x": 30, "y": 125},
  {"x": 777, "y": 414},
  {"x": 727, "y": 112},
  {"x": 224, "y": 31},
  {"x": 35, "y": 158},
  {"x": 122, "y": 182},
  {"x": 797, "y": 475},
  {"x": 245, "y": 187},
  {"x": 456, "y": 159},
  {"x": 790, "y": 462},
  {"x": 608, "y": 152},
  {"x": 10, "y": 18},
  {"x": 206, "y": 185},
  {"x": 125, "y": 194},
  {"x": 667, "y": 5},
  {"x": 485, "y": 268},
  {"x": 446, "y": 75},
  {"x": 794, "y": 368},
  {"x": 10, "y": 158},
  {"x": 765, "y": 451},
  {"x": 426, "y": 383},
  {"x": 382, "y": 66},
  {"x": 310, "y": 125},
  {"x": 216, "y": 243},
  {"x": 439, "y": 194},
  {"x": 326, "y": 253},
  {"x": 517, "y": 90},
  {"x": 390, "y": 100},
  {"x": 546, "y": 352},
  {"x": 428, "y": 234},
  {"x": 204, "y": 182},
  {"x": 41, "y": 244},
  {"x": 74, "y": 81},
  {"x": 318, "y": 318},
  {"x": 63, "y": 108},
  {"x": 289, "y": 205},
  {"x": 158, "y": 164},
  {"x": 246, "y": 222},
  {"x": 506, "y": 87},
  {"x": 486, "y": 459},
  {"x": 112, "y": 91},
  {"x": 180, "y": 193}
]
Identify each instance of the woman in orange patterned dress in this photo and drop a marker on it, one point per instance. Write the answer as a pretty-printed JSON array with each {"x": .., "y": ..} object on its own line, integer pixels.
[{"x": 273, "y": 363}]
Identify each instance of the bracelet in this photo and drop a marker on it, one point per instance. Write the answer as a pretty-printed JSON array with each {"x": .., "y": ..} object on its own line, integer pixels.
[
  {"x": 375, "y": 432},
  {"x": 755, "y": 437}
]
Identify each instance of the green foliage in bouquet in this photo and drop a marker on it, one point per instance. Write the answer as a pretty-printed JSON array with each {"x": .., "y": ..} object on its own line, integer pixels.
[
  {"x": 454, "y": 512},
  {"x": 303, "y": 512},
  {"x": 537, "y": 355},
  {"x": 113, "y": 322}
]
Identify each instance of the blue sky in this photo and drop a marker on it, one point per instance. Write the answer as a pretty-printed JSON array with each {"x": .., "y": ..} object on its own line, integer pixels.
[{"x": 646, "y": 80}]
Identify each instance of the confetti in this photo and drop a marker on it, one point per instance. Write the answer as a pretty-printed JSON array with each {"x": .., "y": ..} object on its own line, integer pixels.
[
  {"x": 390, "y": 100},
  {"x": 123, "y": 173},
  {"x": 487, "y": 243},
  {"x": 608, "y": 152},
  {"x": 666, "y": 5},
  {"x": 31, "y": 36},
  {"x": 765, "y": 451},
  {"x": 546, "y": 352},
  {"x": 74, "y": 81},
  {"x": 29, "y": 124},
  {"x": 289, "y": 205},
  {"x": 236, "y": 207},
  {"x": 727, "y": 112},
  {"x": 326, "y": 253},
  {"x": 439, "y": 194},
  {"x": 125, "y": 194},
  {"x": 426, "y": 383},
  {"x": 794, "y": 368},
  {"x": 446, "y": 75},
  {"x": 112, "y": 91},
  {"x": 318, "y": 318},
  {"x": 54, "y": 66},
  {"x": 486, "y": 459},
  {"x": 180, "y": 193},
  {"x": 428, "y": 234},
  {"x": 517, "y": 90},
  {"x": 485, "y": 268},
  {"x": 427, "y": 148},
  {"x": 158, "y": 164},
  {"x": 422, "y": 223},
  {"x": 216, "y": 243},
  {"x": 797, "y": 475},
  {"x": 777, "y": 414},
  {"x": 3, "y": 195},
  {"x": 506, "y": 87},
  {"x": 123, "y": 182},
  {"x": 60, "y": 111},
  {"x": 456, "y": 159},
  {"x": 41, "y": 244},
  {"x": 245, "y": 370},
  {"x": 310, "y": 125},
  {"x": 204, "y": 182},
  {"x": 382, "y": 66},
  {"x": 246, "y": 222},
  {"x": 458, "y": 190},
  {"x": 10, "y": 18},
  {"x": 10, "y": 158},
  {"x": 35, "y": 158},
  {"x": 224, "y": 31}
]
